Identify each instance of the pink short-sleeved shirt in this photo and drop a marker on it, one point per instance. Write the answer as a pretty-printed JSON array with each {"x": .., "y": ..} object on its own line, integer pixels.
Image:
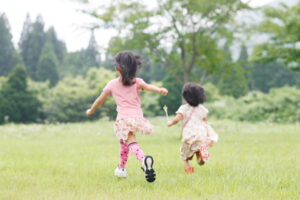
[{"x": 127, "y": 98}]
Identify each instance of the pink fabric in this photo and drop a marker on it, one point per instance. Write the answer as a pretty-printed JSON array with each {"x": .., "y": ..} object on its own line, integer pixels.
[
  {"x": 136, "y": 151},
  {"x": 127, "y": 98},
  {"x": 203, "y": 151},
  {"x": 124, "y": 151}
]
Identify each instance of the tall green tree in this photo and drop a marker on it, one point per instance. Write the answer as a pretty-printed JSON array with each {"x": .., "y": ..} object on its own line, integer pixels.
[
  {"x": 58, "y": 45},
  {"x": 47, "y": 65},
  {"x": 17, "y": 102},
  {"x": 232, "y": 81},
  {"x": 9, "y": 57},
  {"x": 31, "y": 43},
  {"x": 180, "y": 34},
  {"x": 282, "y": 25},
  {"x": 92, "y": 57}
]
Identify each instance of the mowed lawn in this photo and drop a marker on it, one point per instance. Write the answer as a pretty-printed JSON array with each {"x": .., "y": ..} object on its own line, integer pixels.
[{"x": 77, "y": 161}]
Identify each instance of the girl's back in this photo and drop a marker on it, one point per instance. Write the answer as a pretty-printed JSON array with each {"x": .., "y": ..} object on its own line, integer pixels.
[{"x": 127, "y": 98}]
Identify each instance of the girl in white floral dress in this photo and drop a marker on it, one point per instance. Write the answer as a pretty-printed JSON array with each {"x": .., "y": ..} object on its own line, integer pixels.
[{"x": 197, "y": 135}]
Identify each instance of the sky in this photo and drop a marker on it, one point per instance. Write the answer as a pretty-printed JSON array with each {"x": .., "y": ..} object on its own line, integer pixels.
[{"x": 69, "y": 23}]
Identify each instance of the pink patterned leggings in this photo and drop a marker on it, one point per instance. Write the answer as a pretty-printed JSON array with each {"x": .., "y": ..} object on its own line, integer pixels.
[{"x": 124, "y": 151}]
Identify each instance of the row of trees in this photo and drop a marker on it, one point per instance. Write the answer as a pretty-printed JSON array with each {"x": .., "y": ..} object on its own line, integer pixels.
[
  {"x": 180, "y": 41},
  {"x": 44, "y": 56},
  {"x": 192, "y": 39}
]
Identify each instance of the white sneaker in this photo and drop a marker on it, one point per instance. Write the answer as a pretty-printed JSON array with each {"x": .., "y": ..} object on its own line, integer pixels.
[{"x": 121, "y": 173}]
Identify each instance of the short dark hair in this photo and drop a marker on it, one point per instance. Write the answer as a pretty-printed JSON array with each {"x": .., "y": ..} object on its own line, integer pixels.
[
  {"x": 127, "y": 63},
  {"x": 193, "y": 94}
]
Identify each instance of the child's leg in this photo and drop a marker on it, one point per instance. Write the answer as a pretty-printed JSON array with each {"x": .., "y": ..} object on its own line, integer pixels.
[
  {"x": 185, "y": 163},
  {"x": 199, "y": 159},
  {"x": 187, "y": 168},
  {"x": 134, "y": 147},
  {"x": 124, "y": 151}
]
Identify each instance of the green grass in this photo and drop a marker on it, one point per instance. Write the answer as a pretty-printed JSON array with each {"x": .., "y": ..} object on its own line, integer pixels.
[{"x": 77, "y": 161}]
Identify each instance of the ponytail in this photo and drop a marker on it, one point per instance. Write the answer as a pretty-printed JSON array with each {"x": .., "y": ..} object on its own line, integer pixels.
[{"x": 127, "y": 63}]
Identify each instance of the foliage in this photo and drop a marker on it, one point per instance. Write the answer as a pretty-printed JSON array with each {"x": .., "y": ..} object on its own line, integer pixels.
[
  {"x": 150, "y": 102},
  {"x": 212, "y": 93},
  {"x": 280, "y": 105},
  {"x": 47, "y": 65},
  {"x": 92, "y": 57},
  {"x": 31, "y": 44},
  {"x": 9, "y": 57},
  {"x": 231, "y": 77},
  {"x": 58, "y": 46},
  {"x": 16, "y": 101},
  {"x": 179, "y": 34},
  {"x": 79, "y": 62},
  {"x": 264, "y": 76},
  {"x": 282, "y": 25},
  {"x": 71, "y": 97},
  {"x": 173, "y": 100}
]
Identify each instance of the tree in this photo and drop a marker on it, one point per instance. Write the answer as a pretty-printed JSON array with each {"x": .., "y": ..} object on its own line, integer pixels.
[
  {"x": 263, "y": 76},
  {"x": 47, "y": 65},
  {"x": 282, "y": 25},
  {"x": 74, "y": 64},
  {"x": 9, "y": 57},
  {"x": 31, "y": 43},
  {"x": 180, "y": 34},
  {"x": 17, "y": 102},
  {"x": 58, "y": 45},
  {"x": 92, "y": 55},
  {"x": 232, "y": 79},
  {"x": 173, "y": 99}
]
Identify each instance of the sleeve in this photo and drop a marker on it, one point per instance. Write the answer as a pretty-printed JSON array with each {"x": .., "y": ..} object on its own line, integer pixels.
[
  {"x": 139, "y": 81},
  {"x": 108, "y": 88},
  {"x": 205, "y": 110},
  {"x": 181, "y": 110}
]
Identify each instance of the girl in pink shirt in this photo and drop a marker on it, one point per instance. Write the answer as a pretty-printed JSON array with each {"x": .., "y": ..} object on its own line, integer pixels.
[{"x": 130, "y": 120}]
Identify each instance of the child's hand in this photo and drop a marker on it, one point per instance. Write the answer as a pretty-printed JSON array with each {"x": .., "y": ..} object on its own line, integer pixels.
[
  {"x": 89, "y": 112},
  {"x": 163, "y": 91},
  {"x": 170, "y": 123}
]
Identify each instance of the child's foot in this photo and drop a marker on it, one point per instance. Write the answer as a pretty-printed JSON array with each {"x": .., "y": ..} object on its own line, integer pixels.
[
  {"x": 189, "y": 170},
  {"x": 147, "y": 168},
  {"x": 199, "y": 159},
  {"x": 203, "y": 153},
  {"x": 121, "y": 173},
  {"x": 201, "y": 162}
]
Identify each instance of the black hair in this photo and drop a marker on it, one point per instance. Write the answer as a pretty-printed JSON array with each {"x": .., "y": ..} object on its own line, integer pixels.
[
  {"x": 127, "y": 63},
  {"x": 193, "y": 94}
]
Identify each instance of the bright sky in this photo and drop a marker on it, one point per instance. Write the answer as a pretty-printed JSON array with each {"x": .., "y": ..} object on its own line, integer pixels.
[{"x": 64, "y": 15}]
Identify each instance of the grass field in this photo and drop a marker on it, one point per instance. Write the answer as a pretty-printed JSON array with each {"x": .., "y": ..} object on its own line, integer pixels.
[{"x": 77, "y": 161}]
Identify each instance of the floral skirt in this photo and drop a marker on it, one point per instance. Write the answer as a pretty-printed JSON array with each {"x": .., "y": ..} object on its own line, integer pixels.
[
  {"x": 187, "y": 150},
  {"x": 123, "y": 126}
]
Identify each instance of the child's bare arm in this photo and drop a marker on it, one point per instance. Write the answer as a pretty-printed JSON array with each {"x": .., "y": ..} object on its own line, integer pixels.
[
  {"x": 152, "y": 88},
  {"x": 98, "y": 102},
  {"x": 177, "y": 118}
]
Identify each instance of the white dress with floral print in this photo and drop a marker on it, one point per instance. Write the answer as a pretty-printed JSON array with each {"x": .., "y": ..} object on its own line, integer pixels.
[{"x": 196, "y": 131}]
